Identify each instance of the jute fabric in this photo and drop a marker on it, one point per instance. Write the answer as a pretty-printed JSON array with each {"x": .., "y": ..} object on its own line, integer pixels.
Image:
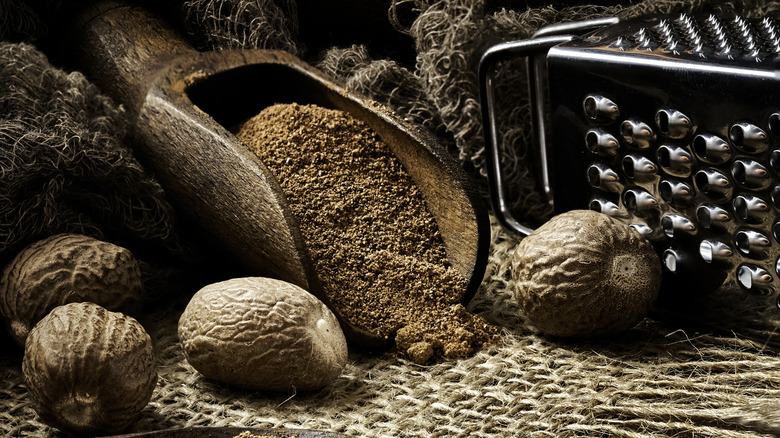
[{"x": 657, "y": 380}]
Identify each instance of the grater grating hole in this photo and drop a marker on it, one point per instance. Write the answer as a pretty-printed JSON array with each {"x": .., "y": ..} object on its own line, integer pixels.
[
  {"x": 592, "y": 141},
  {"x": 628, "y": 166},
  {"x": 640, "y": 202},
  {"x": 774, "y": 124},
  {"x": 776, "y": 231},
  {"x": 705, "y": 251},
  {"x": 663, "y": 121},
  {"x": 589, "y": 106},
  {"x": 664, "y": 157},
  {"x": 667, "y": 224},
  {"x": 744, "y": 277},
  {"x": 702, "y": 182},
  {"x": 741, "y": 207},
  {"x": 637, "y": 134},
  {"x": 751, "y": 174},
  {"x": 754, "y": 278},
  {"x": 710, "y": 216},
  {"x": 713, "y": 184},
  {"x": 751, "y": 208},
  {"x": 675, "y": 160},
  {"x": 642, "y": 229},
  {"x": 699, "y": 144},
  {"x": 601, "y": 143},
  {"x": 673, "y": 123},
  {"x": 752, "y": 243},
  {"x": 639, "y": 168},
  {"x": 774, "y": 160},
  {"x": 748, "y": 137},
  {"x": 677, "y": 225},
  {"x": 739, "y": 172},
  {"x": 737, "y": 135},
  {"x": 594, "y": 176},
  {"x": 703, "y": 215},
  {"x": 715, "y": 251},
  {"x": 711, "y": 148},
  {"x": 600, "y": 109},
  {"x": 675, "y": 192},
  {"x": 743, "y": 242},
  {"x": 666, "y": 190},
  {"x": 670, "y": 260},
  {"x": 604, "y": 206},
  {"x": 629, "y": 200},
  {"x": 775, "y": 195}
]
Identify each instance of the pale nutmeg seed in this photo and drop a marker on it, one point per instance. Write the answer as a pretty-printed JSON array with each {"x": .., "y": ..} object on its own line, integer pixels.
[
  {"x": 67, "y": 268},
  {"x": 262, "y": 334},
  {"x": 89, "y": 370},
  {"x": 585, "y": 274}
]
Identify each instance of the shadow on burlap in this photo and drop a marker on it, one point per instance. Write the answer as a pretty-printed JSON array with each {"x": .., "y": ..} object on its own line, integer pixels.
[{"x": 658, "y": 379}]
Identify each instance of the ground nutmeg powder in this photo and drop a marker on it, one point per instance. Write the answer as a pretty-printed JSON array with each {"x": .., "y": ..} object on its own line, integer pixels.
[{"x": 375, "y": 246}]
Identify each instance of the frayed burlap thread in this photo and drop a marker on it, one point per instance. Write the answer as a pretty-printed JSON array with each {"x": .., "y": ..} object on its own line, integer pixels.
[
  {"x": 63, "y": 164},
  {"x": 385, "y": 81},
  {"x": 19, "y": 20},
  {"x": 242, "y": 24}
]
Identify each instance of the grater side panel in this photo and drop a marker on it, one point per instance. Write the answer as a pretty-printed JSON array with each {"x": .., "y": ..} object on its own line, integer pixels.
[{"x": 685, "y": 155}]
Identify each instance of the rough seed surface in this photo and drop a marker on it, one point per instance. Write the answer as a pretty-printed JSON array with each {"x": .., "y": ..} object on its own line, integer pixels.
[
  {"x": 67, "y": 268},
  {"x": 262, "y": 333},
  {"x": 585, "y": 274},
  {"x": 375, "y": 246},
  {"x": 88, "y": 370}
]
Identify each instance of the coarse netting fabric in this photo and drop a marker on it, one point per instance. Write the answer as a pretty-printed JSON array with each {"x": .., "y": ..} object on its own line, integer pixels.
[
  {"x": 65, "y": 165},
  {"x": 243, "y": 24}
]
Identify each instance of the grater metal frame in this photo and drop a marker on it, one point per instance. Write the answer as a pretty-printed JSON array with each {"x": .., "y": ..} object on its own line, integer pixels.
[
  {"x": 727, "y": 273},
  {"x": 534, "y": 49}
]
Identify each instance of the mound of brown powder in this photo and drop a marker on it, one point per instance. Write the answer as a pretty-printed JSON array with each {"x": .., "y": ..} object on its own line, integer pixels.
[{"x": 374, "y": 244}]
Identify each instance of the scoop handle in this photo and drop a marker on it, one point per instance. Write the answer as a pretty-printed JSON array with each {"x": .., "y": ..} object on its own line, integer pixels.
[{"x": 121, "y": 47}]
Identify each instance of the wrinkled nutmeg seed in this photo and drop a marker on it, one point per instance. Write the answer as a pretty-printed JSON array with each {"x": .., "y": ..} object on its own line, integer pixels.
[
  {"x": 585, "y": 274},
  {"x": 67, "y": 268},
  {"x": 262, "y": 333},
  {"x": 89, "y": 370}
]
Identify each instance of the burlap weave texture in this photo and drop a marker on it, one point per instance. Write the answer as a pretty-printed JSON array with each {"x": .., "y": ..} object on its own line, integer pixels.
[{"x": 657, "y": 380}]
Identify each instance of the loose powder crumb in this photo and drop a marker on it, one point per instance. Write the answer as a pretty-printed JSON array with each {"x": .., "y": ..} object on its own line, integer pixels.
[{"x": 375, "y": 246}]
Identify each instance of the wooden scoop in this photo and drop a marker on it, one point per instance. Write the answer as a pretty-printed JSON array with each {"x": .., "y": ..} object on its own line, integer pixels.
[{"x": 183, "y": 100}]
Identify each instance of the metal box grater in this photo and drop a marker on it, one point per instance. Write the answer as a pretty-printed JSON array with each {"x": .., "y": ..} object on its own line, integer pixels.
[{"x": 671, "y": 124}]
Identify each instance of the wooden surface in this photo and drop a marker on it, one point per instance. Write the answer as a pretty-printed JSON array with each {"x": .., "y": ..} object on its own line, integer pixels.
[{"x": 183, "y": 101}]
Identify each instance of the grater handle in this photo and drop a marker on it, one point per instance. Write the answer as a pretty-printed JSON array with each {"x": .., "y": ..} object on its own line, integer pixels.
[{"x": 534, "y": 49}]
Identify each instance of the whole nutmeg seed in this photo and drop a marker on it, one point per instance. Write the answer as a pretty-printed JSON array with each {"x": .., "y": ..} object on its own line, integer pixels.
[
  {"x": 262, "y": 333},
  {"x": 67, "y": 268},
  {"x": 89, "y": 370},
  {"x": 585, "y": 274}
]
